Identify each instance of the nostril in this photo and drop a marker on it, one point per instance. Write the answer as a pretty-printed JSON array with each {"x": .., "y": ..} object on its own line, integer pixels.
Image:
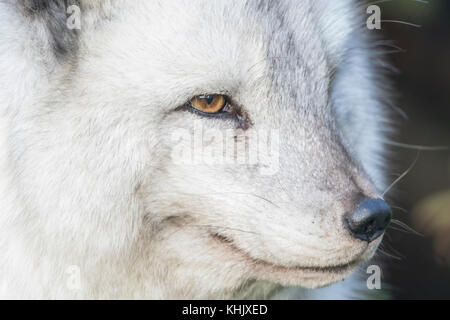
[
  {"x": 369, "y": 220},
  {"x": 371, "y": 225}
]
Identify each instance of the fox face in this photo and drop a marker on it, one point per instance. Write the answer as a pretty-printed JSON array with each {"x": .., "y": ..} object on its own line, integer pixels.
[{"x": 186, "y": 149}]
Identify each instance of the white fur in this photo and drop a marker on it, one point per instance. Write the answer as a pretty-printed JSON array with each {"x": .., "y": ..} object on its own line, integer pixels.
[{"x": 86, "y": 177}]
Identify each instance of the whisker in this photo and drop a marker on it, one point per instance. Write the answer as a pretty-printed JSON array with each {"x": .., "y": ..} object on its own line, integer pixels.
[
  {"x": 399, "y": 208},
  {"x": 406, "y": 227},
  {"x": 254, "y": 195},
  {"x": 385, "y": 245},
  {"x": 265, "y": 60},
  {"x": 223, "y": 227},
  {"x": 219, "y": 193},
  {"x": 394, "y": 51},
  {"x": 380, "y": 250},
  {"x": 391, "y": 45},
  {"x": 396, "y": 229},
  {"x": 398, "y": 110},
  {"x": 402, "y": 175},
  {"x": 403, "y": 22},
  {"x": 379, "y": 1},
  {"x": 417, "y": 147}
]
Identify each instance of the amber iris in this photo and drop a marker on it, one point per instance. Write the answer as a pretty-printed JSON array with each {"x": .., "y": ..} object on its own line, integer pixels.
[{"x": 209, "y": 103}]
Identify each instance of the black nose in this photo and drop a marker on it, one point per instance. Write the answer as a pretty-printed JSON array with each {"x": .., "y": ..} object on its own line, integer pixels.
[{"x": 369, "y": 220}]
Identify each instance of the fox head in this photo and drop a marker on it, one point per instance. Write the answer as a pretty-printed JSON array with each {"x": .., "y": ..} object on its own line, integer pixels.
[{"x": 187, "y": 148}]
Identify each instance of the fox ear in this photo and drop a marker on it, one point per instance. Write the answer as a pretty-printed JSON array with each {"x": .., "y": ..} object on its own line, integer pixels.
[{"x": 53, "y": 14}]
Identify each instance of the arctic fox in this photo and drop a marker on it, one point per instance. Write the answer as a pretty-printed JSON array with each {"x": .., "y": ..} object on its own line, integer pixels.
[{"x": 105, "y": 191}]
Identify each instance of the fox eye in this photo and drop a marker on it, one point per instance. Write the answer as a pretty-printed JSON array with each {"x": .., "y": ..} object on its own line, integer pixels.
[
  {"x": 218, "y": 106},
  {"x": 209, "y": 104}
]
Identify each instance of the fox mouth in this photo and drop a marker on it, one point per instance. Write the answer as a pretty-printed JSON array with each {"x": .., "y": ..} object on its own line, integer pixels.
[{"x": 328, "y": 269}]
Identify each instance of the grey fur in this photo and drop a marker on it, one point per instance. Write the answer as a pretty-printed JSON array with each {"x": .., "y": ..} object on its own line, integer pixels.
[{"x": 53, "y": 13}]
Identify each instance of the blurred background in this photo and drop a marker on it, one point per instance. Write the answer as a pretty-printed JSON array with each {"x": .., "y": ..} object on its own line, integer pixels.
[{"x": 418, "y": 266}]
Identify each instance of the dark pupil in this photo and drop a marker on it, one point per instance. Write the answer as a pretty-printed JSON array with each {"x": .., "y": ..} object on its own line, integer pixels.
[{"x": 209, "y": 99}]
